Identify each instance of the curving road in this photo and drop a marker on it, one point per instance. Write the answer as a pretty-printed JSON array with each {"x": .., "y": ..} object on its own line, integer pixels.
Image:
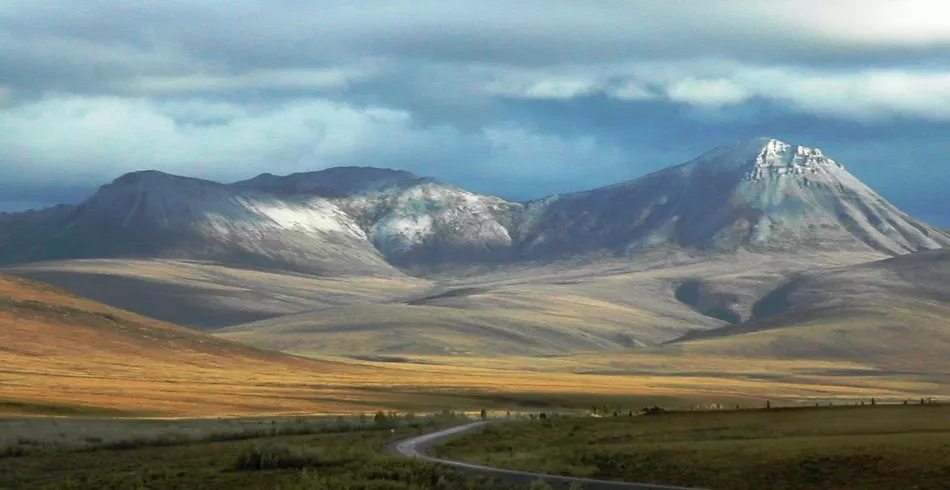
[{"x": 417, "y": 447}]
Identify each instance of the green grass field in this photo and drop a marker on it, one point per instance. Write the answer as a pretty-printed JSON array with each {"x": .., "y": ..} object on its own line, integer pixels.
[
  {"x": 859, "y": 447},
  {"x": 329, "y": 457}
]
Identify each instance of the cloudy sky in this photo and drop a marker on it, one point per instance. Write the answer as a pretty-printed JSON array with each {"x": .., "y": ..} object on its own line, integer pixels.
[{"x": 520, "y": 99}]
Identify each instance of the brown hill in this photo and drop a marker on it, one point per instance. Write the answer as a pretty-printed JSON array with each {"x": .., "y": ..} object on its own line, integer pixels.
[
  {"x": 207, "y": 295},
  {"x": 80, "y": 356},
  {"x": 64, "y": 355},
  {"x": 893, "y": 313}
]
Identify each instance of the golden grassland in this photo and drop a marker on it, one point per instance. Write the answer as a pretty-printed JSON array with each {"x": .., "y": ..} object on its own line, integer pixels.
[
  {"x": 61, "y": 354},
  {"x": 869, "y": 447},
  {"x": 63, "y": 351}
]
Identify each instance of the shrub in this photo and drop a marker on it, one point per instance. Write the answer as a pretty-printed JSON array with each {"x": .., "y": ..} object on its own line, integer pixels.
[
  {"x": 15, "y": 450},
  {"x": 383, "y": 421},
  {"x": 283, "y": 456}
]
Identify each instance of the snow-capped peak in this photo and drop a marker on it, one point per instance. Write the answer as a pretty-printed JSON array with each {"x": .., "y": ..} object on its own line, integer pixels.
[
  {"x": 778, "y": 158},
  {"x": 776, "y": 153},
  {"x": 759, "y": 158}
]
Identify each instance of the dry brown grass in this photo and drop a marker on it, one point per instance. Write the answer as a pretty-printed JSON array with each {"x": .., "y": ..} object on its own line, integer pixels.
[
  {"x": 541, "y": 310},
  {"x": 893, "y": 315},
  {"x": 63, "y": 350},
  {"x": 60, "y": 349},
  {"x": 909, "y": 337}
]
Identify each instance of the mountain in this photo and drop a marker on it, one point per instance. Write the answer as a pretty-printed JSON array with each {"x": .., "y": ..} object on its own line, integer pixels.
[
  {"x": 409, "y": 219},
  {"x": 760, "y": 194},
  {"x": 152, "y": 214}
]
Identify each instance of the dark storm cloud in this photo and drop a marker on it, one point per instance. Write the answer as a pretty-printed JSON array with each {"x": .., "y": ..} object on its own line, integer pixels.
[
  {"x": 67, "y": 45},
  {"x": 489, "y": 94}
]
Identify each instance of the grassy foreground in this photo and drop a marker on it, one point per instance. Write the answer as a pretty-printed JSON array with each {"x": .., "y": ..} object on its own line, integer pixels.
[
  {"x": 315, "y": 455},
  {"x": 869, "y": 447}
]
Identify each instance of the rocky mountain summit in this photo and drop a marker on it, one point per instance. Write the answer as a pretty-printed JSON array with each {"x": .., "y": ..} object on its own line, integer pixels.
[{"x": 760, "y": 194}]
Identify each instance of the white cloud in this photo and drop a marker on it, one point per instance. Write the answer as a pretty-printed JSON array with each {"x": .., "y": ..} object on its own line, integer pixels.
[
  {"x": 875, "y": 94},
  {"x": 557, "y": 89},
  {"x": 864, "y": 95},
  {"x": 846, "y": 94},
  {"x": 107, "y": 136},
  {"x": 630, "y": 90},
  {"x": 706, "y": 93},
  {"x": 278, "y": 79},
  {"x": 91, "y": 140},
  {"x": 541, "y": 87},
  {"x": 872, "y": 23}
]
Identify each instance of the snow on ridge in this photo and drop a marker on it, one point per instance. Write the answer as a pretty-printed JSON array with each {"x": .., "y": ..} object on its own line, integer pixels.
[
  {"x": 315, "y": 216},
  {"x": 222, "y": 211}
]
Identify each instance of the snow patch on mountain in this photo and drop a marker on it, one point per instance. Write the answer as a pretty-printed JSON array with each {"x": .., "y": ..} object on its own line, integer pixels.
[
  {"x": 409, "y": 219},
  {"x": 396, "y": 234},
  {"x": 405, "y": 220},
  {"x": 313, "y": 215},
  {"x": 159, "y": 215}
]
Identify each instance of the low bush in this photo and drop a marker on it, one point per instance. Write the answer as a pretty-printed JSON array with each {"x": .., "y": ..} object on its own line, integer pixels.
[{"x": 279, "y": 456}]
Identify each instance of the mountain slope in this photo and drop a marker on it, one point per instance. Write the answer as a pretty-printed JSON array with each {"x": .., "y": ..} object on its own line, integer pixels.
[
  {"x": 151, "y": 214},
  {"x": 551, "y": 309},
  {"x": 66, "y": 355},
  {"x": 60, "y": 349},
  {"x": 411, "y": 220},
  {"x": 205, "y": 295},
  {"x": 761, "y": 194},
  {"x": 894, "y": 312}
]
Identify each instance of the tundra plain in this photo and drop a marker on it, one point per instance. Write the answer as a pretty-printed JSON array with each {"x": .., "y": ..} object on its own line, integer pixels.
[{"x": 550, "y": 336}]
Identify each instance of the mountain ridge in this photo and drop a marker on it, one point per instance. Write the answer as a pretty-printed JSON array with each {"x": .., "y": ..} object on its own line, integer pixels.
[{"x": 760, "y": 194}]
